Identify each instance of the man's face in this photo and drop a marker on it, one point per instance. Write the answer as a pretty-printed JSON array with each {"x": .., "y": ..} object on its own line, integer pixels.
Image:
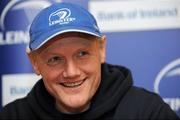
[{"x": 70, "y": 65}]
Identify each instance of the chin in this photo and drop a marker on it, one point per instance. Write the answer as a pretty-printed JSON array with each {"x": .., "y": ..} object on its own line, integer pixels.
[{"x": 78, "y": 104}]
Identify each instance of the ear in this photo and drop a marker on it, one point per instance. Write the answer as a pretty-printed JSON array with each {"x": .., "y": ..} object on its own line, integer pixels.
[
  {"x": 103, "y": 48},
  {"x": 32, "y": 58}
]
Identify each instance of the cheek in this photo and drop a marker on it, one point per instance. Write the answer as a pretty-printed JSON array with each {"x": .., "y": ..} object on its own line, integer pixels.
[
  {"x": 95, "y": 82},
  {"x": 51, "y": 78},
  {"x": 48, "y": 74},
  {"x": 93, "y": 71}
]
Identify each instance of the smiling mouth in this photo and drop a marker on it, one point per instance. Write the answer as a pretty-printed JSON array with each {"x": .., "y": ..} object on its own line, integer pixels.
[{"x": 73, "y": 84}]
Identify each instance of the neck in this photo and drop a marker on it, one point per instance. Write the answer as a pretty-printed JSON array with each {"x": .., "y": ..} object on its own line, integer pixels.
[{"x": 71, "y": 110}]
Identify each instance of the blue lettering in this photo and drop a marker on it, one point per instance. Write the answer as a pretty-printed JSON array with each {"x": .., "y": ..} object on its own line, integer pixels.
[{"x": 14, "y": 90}]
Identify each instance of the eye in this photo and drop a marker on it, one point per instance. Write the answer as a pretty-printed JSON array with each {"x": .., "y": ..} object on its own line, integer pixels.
[
  {"x": 83, "y": 53},
  {"x": 55, "y": 60}
]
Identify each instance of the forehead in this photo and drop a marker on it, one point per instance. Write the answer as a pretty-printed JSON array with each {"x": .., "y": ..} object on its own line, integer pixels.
[{"x": 68, "y": 39}]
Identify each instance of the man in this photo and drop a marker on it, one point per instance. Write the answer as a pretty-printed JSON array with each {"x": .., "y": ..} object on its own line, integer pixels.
[{"x": 67, "y": 49}]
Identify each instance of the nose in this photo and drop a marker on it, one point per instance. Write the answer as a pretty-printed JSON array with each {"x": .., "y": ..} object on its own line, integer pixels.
[{"x": 71, "y": 70}]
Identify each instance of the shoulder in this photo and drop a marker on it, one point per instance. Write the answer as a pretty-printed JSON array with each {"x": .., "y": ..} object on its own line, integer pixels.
[
  {"x": 146, "y": 100},
  {"x": 141, "y": 103},
  {"x": 143, "y": 95},
  {"x": 18, "y": 103},
  {"x": 13, "y": 109},
  {"x": 142, "y": 98}
]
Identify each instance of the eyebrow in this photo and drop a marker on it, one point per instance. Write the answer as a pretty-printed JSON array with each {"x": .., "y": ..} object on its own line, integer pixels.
[{"x": 85, "y": 42}]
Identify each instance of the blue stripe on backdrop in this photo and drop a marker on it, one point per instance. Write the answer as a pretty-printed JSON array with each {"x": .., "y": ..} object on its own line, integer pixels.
[
  {"x": 145, "y": 52},
  {"x": 14, "y": 59}
]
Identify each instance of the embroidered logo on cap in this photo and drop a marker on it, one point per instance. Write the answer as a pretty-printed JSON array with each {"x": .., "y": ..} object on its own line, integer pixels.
[{"x": 61, "y": 16}]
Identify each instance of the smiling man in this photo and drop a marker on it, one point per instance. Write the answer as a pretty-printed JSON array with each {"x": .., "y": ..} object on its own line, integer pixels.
[
  {"x": 67, "y": 49},
  {"x": 70, "y": 65}
]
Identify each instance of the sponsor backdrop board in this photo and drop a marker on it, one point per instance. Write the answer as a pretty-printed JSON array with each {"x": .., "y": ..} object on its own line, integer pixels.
[{"x": 141, "y": 35}]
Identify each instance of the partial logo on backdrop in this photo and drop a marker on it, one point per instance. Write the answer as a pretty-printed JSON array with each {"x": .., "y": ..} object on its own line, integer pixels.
[
  {"x": 17, "y": 86},
  {"x": 61, "y": 16},
  {"x": 16, "y": 18},
  {"x": 135, "y": 15},
  {"x": 167, "y": 84}
]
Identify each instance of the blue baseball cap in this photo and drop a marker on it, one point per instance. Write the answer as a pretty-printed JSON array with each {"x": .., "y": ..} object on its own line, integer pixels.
[{"x": 61, "y": 18}]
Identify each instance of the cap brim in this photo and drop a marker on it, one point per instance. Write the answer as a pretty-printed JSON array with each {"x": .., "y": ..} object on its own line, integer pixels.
[{"x": 51, "y": 34}]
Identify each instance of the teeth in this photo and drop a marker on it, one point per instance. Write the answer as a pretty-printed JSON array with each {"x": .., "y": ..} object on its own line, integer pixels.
[{"x": 72, "y": 84}]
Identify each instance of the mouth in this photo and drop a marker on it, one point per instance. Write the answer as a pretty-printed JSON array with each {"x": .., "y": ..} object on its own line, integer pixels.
[{"x": 73, "y": 84}]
